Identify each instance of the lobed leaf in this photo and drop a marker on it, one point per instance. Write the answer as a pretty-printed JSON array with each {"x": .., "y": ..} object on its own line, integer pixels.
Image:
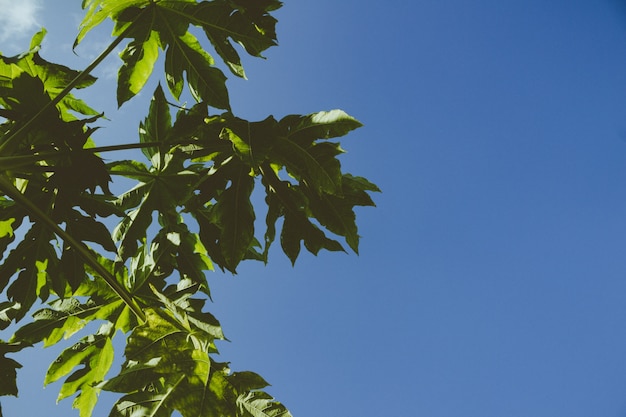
[{"x": 206, "y": 83}]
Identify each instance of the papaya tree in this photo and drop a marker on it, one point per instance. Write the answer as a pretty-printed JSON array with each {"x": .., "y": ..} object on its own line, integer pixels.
[{"x": 86, "y": 266}]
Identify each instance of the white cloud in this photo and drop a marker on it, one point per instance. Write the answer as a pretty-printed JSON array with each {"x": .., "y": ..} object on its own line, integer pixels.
[{"x": 18, "y": 19}]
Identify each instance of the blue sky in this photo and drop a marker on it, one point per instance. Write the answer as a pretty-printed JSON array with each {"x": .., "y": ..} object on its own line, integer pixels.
[{"x": 491, "y": 279}]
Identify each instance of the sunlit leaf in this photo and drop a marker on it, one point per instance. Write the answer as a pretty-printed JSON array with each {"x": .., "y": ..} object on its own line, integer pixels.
[
  {"x": 99, "y": 10},
  {"x": 139, "y": 58},
  {"x": 95, "y": 354},
  {"x": 62, "y": 319},
  {"x": 260, "y": 404},
  {"x": 321, "y": 125},
  {"x": 5, "y": 227}
]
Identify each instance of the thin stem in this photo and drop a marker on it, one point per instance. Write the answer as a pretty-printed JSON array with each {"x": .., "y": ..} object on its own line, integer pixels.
[
  {"x": 56, "y": 100},
  {"x": 7, "y": 186}
]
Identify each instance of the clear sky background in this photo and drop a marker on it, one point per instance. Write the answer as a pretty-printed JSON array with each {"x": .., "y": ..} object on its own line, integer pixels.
[{"x": 491, "y": 279}]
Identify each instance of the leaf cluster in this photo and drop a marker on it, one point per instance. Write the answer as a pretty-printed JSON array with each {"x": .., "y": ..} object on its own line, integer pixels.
[{"x": 135, "y": 263}]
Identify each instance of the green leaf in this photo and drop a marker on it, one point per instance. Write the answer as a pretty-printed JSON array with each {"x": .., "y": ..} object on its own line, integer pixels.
[
  {"x": 142, "y": 404},
  {"x": 235, "y": 216},
  {"x": 206, "y": 83},
  {"x": 297, "y": 228},
  {"x": 8, "y": 369},
  {"x": 247, "y": 381},
  {"x": 61, "y": 320},
  {"x": 74, "y": 356},
  {"x": 139, "y": 58},
  {"x": 35, "y": 42},
  {"x": 130, "y": 169},
  {"x": 246, "y": 23},
  {"x": 156, "y": 126},
  {"x": 8, "y": 312},
  {"x": 24, "y": 97},
  {"x": 220, "y": 22},
  {"x": 72, "y": 267},
  {"x": 321, "y": 125},
  {"x": 260, "y": 404},
  {"x": 336, "y": 212},
  {"x": 159, "y": 335},
  {"x": 241, "y": 147},
  {"x": 5, "y": 227},
  {"x": 104, "y": 303},
  {"x": 88, "y": 229},
  {"x": 95, "y": 354},
  {"x": 289, "y": 201},
  {"x": 195, "y": 320},
  {"x": 133, "y": 376},
  {"x": 31, "y": 259},
  {"x": 161, "y": 25},
  {"x": 54, "y": 77},
  {"x": 309, "y": 165},
  {"x": 214, "y": 398},
  {"x": 167, "y": 360},
  {"x": 191, "y": 258},
  {"x": 274, "y": 211},
  {"x": 99, "y": 10},
  {"x": 168, "y": 186}
]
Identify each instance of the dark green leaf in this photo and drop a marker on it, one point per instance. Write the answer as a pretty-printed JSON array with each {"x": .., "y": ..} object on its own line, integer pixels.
[
  {"x": 88, "y": 229},
  {"x": 308, "y": 165},
  {"x": 140, "y": 404},
  {"x": 247, "y": 381},
  {"x": 8, "y": 369},
  {"x": 156, "y": 126},
  {"x": 297, "y": 228},
  {"x": 166, "y": 188},
  {"x": 206, "y": 82},
  {"x": 235, "y": 216},
  {"x": 8, "y": 376}
]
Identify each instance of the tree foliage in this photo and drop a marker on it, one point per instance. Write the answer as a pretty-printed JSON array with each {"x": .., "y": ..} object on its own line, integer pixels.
[{"x": 86, "y": 255}]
